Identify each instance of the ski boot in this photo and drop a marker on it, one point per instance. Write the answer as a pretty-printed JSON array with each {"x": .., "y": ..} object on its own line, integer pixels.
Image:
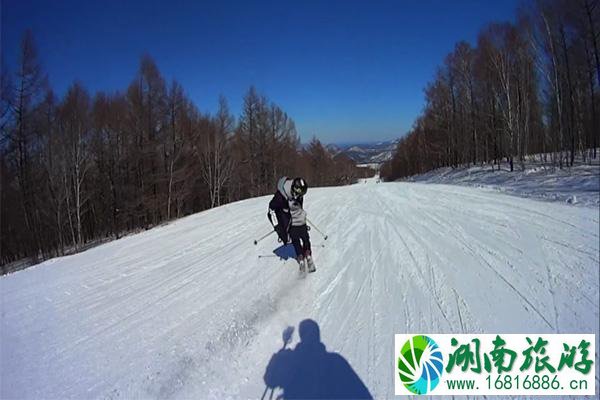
[
  {"x": 302, "y": 264},
  {"x": 310, "y": 263}
]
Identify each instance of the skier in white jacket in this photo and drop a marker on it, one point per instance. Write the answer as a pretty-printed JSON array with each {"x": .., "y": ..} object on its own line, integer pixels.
[{"x": 286, "y": 205}]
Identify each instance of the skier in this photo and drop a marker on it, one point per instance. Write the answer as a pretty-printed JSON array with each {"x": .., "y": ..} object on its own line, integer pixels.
[{"x": 286, "y": 208}]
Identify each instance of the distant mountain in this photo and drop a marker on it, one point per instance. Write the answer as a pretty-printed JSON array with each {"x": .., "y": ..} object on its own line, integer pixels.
[
  {"x": 366, "y": 153},
  {"x": 356, "y": 149},
  {"x": 333, "y": 149}
]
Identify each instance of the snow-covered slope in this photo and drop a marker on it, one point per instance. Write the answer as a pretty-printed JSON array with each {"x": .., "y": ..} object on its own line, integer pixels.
[
  {"x": 189, "y": 310},
  {"x": 578, "y": 185}
]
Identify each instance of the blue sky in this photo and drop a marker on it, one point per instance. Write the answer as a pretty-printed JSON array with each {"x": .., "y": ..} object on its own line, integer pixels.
[{"x": 344, "y": 70}]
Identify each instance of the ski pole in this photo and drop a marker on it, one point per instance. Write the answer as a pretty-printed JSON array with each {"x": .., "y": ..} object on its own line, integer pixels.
[
  {"x": 265, "y": 392},
  {"x": 318, "y": 230},
  {"x": 287, "y": 337},
  {"x": 258, "y": 240}
]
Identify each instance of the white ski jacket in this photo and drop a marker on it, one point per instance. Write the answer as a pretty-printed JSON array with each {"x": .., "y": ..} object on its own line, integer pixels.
[{"x": 298, "y": 214}]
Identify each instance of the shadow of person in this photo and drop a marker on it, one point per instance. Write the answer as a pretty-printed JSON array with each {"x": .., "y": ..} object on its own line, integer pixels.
[{"x": 309, "y": 371}]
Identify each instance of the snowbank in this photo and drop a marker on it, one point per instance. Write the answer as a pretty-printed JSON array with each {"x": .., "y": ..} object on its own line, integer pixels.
[{"x": 579, "y": 185}]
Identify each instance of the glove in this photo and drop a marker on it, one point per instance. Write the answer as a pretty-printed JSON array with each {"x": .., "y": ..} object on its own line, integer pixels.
[{"x": 271, "y": 216}]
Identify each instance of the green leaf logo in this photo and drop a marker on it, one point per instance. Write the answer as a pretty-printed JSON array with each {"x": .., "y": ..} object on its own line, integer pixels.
[{"x": 420, "y": 364}]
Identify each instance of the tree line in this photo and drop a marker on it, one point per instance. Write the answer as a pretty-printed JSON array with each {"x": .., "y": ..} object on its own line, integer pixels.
[
  {"x": 83, "y": 168},
  {"x": 528, "y": 87}
]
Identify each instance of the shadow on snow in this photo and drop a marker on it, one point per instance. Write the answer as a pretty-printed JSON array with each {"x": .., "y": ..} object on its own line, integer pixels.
[{"x": 309, "y": 371}]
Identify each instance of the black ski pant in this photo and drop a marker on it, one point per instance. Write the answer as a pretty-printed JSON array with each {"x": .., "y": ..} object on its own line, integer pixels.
[{"x": 300, "y": 240}]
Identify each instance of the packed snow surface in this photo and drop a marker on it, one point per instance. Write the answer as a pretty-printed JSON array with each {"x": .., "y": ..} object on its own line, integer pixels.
[{"x": 189, "y": 310}]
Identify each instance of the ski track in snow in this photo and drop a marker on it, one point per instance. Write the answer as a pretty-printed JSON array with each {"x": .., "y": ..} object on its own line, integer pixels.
[{"x": 188, "y": 310}]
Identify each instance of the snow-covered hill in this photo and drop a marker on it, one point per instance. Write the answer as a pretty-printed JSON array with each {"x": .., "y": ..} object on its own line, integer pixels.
[
  {"x": 364, "y": 153},
  {"x": 189, "y": 310},
  {"x": 577, "y": 185}
]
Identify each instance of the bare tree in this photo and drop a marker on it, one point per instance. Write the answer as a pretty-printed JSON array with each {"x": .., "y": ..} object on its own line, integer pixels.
[
  {"x": 75, "y": 128},
  {"x": 29, "y": 86},
  {"x": 175, "y": 140},
  {"x": 217, "y": 164}
]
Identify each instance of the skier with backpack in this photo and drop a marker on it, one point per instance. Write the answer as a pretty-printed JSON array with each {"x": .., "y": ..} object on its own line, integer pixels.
[{"x": 286, "y": 208}]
